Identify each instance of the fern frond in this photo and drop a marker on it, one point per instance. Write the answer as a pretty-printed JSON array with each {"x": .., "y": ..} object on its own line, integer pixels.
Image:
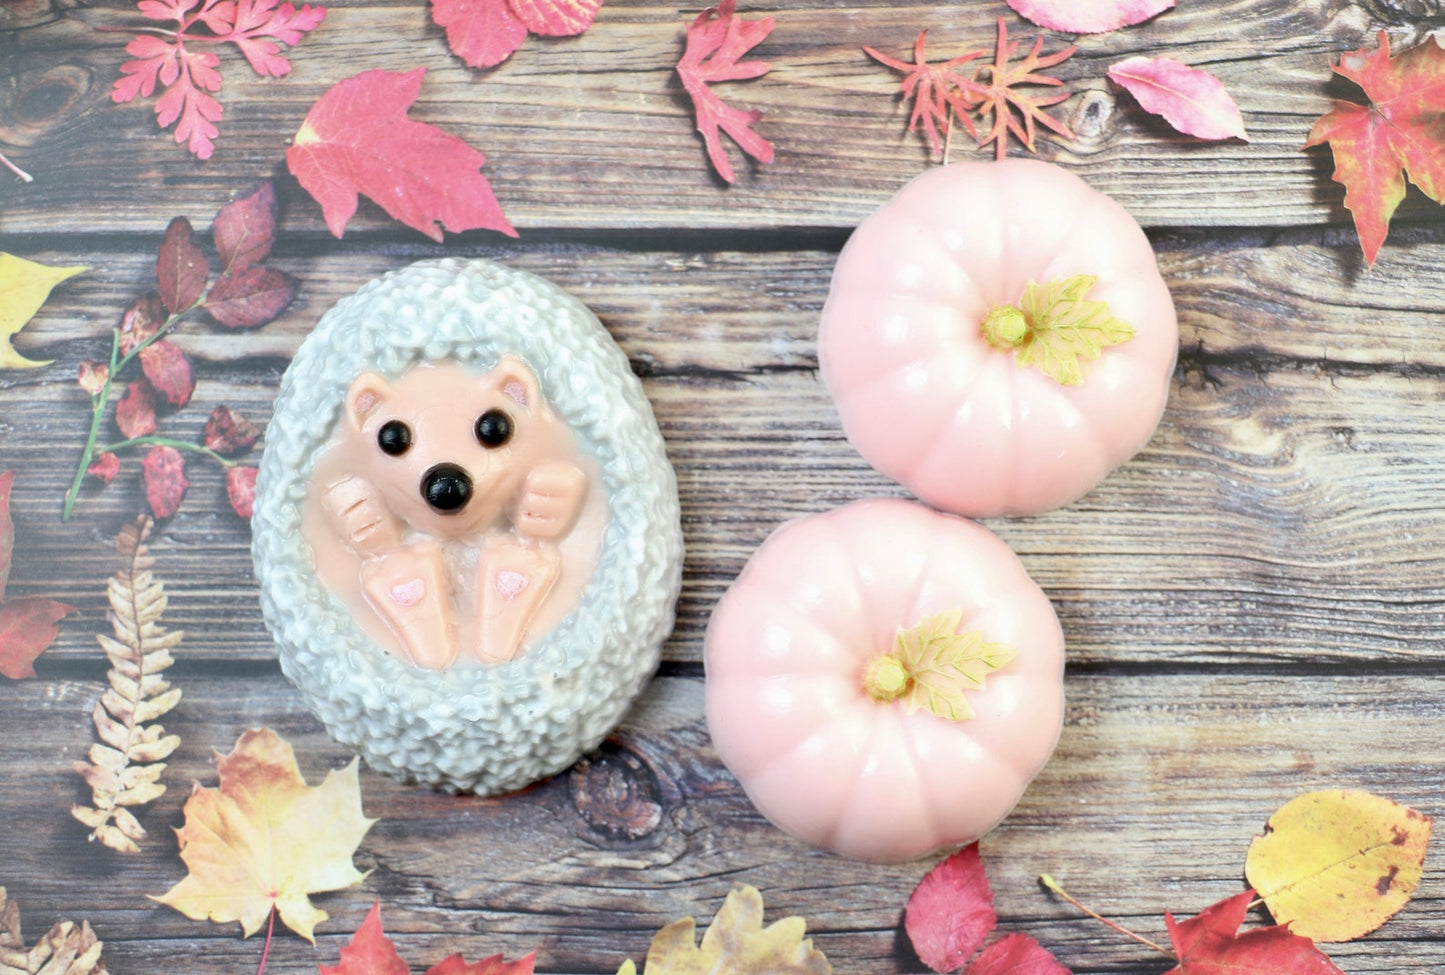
[{"x": 125, "y": 768}]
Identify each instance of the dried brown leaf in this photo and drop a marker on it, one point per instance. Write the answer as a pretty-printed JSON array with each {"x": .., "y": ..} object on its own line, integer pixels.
[
  {"x": 126, "y": 769},
  {"x": 66, "y": 949}
]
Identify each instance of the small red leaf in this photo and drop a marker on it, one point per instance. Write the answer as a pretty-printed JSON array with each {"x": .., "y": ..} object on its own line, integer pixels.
[
  {"x": 357, "y": 139},
  {"x": 181, "y": 269},
  {"x": 951, "y": 911},
  {"x": 27, "y": 627},
  {"x": 938, "y": 91},
  {"x": 715, "y": 41},
  {"x": 492, "y": 965},
  {"x": 140, "y": 321},
  {"x": 556, "y": 18},
  {"x": 1088, "y": 16},
  {"x": 1016, "y": 954},
  {"x": 228, "y": 432},
  {"x": 483, "y": 33},
  {"x": 92, "y": 377},
  {"x": 105, "y": 466},
  {"x": 7, "y": 528},
  {"x": 1209, "y": 944},
  {"x": 370, "y": 952},
  {"x": 1191, "y": 100},
  {"x": 135, "y": 414},
  {"x": 241, "y": 489},
  {"x": 250, "y": 297},
  {"x": 169, "y": 371},
  {"x": 165, "y": 479},
  {"x": 244, "y": 229}
]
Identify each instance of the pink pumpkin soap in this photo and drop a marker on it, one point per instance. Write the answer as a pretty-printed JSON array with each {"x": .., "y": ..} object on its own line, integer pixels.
[
  {"x": 884, "y": 680},
  {"x": 998, "y": 338}
]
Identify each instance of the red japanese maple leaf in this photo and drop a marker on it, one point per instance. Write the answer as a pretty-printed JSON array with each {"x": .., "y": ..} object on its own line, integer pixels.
[
  {"x": 715, "y": 41},
  {"x": 357, "y": 140},
  {"x": 372, "y": 953},
  {"x": 484, "y": 33},
  {"x": 998, "y": 98},
  {"x": 1401, "y": 131},
  {"x": 937, "y": 90},
  {"x": 1210, "y": 944},
  {"x": 188, "y": 76}
]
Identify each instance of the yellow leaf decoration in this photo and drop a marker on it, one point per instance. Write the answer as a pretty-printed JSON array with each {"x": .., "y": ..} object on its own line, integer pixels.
[
  {"x": 1055, "y": 326},
  {"x": 265, "y": 839},
  {"x": 24, "y": 286},
  {"x": 65, "y": 950},
  {"x": 125, "y": 767},
  {"x": 1335, "y": 865},
  {"x": 932, "y": 665},
  {"x": 736, "y": 943}
]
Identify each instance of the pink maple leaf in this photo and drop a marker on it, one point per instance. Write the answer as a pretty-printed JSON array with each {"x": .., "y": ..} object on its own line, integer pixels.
[
  {"x": 715, "y": 41},
  {"x": 190, "y": 77}
]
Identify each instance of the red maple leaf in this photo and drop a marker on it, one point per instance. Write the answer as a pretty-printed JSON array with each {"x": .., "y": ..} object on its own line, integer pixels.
[
  {"x": 484, "y": 33},
  {"x": 715, "y": 41},
  {"x": 1210, "y": 944},
  {"x": 951, "y": 911},
  {"x": 1401, "y": 131},
  {"x": 371, "y": 952},
  {"x": 357, "y": 139},
  {"x": 189, "y": 77},
  {"x": 937, "y": 90},
  {"x": 998, "y": 98},
  {"x": 165, "y": 479}
]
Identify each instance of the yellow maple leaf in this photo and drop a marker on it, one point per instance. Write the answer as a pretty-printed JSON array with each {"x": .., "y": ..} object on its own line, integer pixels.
[
  {"x": 1335, "y": 865},
  {"x": 265, "y": 839},
  {"x": 736, "y": 943},
  {"x": 24, "y": 286}
]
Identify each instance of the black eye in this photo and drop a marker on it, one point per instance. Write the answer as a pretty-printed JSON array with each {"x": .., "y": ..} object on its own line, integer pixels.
[
  {"x": 394, "y": 438},
  {"x": 494, "y": 428}
]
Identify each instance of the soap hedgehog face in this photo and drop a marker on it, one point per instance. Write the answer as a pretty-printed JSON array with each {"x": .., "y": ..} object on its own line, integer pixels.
[{"x": 447, "y": 452}]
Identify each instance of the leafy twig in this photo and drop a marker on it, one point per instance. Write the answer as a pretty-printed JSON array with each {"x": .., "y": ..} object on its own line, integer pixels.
[{"x": 123, "y": 771}]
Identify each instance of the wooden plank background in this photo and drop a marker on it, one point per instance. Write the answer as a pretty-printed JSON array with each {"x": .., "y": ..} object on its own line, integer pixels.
[{"x": 1253, "y": 607}]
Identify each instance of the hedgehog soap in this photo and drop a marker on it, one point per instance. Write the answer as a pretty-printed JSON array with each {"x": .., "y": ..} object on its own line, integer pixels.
[{"x": 466, "y": 529}]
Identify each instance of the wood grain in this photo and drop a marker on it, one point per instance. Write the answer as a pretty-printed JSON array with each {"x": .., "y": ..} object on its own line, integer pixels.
[
  {"x": 1285, "y": 509},
  {"x": 1147, "y": 805},
  {"x": 596, "y": 131}
]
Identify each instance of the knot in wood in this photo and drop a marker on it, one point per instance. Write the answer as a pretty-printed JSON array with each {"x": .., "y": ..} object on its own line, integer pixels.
[
  {"x": 40, "y": 102},
  {"x": 1092, "y": 114},
  {"x": 15, "y": 14},
  {"x": 617, "y": 794}
]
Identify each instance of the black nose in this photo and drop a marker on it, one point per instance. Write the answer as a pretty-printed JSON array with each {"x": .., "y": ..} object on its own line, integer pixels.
[{"x": 447, "y": 488}]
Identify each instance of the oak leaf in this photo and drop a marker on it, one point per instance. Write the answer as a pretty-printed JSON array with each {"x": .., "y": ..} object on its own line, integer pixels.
[
  {"x": 1193, "y": 101},
  {"x": 1088, "y": 16},
  {"x": 1335, "y": 865},
  {"x": 715, "y": 41},
  {"x": 999, "y": 99},
  {"x": 484, "y": 33},
  {"x": 938, "y": 91},
  {"x": 371, "y": 952},
  {"x": 1400, "y": 132},
  {"x": 125, "y": 767},
  {"x": 950, "y": 913},
  {"x": 165, "y": 479},
  {"x": 24, "y": 287},
  {"x": 1210, "y": 944},
  {"x": 736, "y": 943},
  {"x": 64, "y": 950},
  {"x": 357, "y": 139},
  {"x": 266, "y": 840}
]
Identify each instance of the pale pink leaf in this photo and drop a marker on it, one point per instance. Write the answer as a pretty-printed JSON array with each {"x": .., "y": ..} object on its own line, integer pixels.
[
  {"x": 1191, "y": 100},
  {"x": 1088, "y": 16}
]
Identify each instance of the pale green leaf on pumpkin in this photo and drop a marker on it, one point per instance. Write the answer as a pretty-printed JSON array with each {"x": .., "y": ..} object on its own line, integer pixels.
[
  {"x": 940, "y": 664},
  {"x": 1065, "y": 328}
]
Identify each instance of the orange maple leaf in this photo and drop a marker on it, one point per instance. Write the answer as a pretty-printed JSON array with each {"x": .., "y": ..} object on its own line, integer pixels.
[
  {"x": 1401, "y": 131},
  {"x": 999, "y": 99},
  {"x": 265, "y": 839},
  {"x": 937, "y": 90}
]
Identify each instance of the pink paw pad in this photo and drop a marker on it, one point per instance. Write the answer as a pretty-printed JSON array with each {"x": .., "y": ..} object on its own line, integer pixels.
[
  {"x": 408, "y": 593},
  {"x": 509, "y": 584}
]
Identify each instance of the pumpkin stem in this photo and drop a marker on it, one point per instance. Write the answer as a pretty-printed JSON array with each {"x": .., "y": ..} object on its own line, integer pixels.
[
  {"x": 1005, "y": 327},
  {"x": 886, "y": 678}
]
